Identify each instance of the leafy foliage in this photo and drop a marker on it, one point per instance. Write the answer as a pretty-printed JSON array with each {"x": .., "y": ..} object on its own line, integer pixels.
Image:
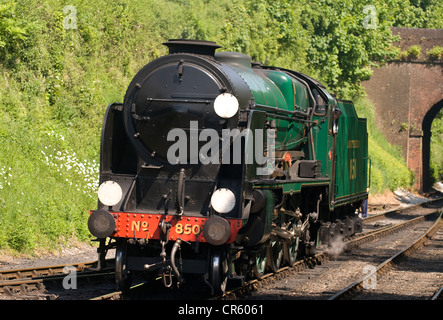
[
  {"x": 347, "y": 40},
  {"x": 436, "y": 162},
  {"x": 412, "y": 53},
  {"x": 269, "y": 31},
  {"x": 13, "y": 31},
  {"x": 436, "y": 53}
]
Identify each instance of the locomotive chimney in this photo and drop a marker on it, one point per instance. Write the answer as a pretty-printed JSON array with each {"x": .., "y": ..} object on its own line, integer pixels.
[{"x": 192, "y": 46}]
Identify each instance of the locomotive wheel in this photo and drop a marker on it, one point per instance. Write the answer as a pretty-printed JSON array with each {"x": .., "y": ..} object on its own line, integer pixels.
[
  {"x": 218, "y": 270},
  {"x": 122, "y": 276},
  {"x": 260, "y": 264},
  {"x": 291, "y": 252},
  {"x": 275, "y": 255},
  {"x": 291, "y": 249}
]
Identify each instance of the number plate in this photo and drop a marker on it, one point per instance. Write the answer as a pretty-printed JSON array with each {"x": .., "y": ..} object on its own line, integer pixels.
[
  {"x": 188, "y": 228},
  {"x": 146, "y": 226}
]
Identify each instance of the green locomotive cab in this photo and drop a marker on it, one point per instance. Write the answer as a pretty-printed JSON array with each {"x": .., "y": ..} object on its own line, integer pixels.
[{"x": 320, "y": 152}]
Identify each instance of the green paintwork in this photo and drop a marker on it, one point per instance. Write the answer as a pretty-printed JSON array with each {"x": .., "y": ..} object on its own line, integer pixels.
[
  {"x": 352, "y": 154},
  {"x": 277, "y": 89},
  {"x": 292, "y": 186}
]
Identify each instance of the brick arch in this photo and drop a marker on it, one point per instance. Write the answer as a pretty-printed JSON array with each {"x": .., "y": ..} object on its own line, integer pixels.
[{"x": 406, "y": 96}]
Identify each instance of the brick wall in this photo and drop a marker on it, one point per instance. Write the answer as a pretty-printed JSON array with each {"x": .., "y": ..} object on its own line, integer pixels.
[{"x": 404, "y": 92}]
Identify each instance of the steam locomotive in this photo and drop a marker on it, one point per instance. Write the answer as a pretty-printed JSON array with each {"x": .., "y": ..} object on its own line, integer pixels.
[{"x": 223, "y": 168}]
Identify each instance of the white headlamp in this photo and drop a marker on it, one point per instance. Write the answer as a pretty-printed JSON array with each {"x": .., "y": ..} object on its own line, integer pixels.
[
  {"x": 223, "y": 200},
  {"x": 226, "y": 105},
  {"x": 110, "y": 193}
]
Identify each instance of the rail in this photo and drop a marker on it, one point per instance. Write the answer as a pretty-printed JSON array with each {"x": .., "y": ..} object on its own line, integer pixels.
[{"x": 357, "y": 285}]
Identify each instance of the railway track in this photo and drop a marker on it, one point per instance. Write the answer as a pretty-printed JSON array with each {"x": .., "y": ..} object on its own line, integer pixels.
[
  {"x": 246, "y": 289},
  {"x": 21, "y": 282},
  {"x": 346, "y": 266},
  {"x": 335, "y": 262},
  {"x": 32, "y": 283},
  {"x": 438, "y": 295},
  {"x": 369, "y": 280},
  {"x": 35, "y": 272}
]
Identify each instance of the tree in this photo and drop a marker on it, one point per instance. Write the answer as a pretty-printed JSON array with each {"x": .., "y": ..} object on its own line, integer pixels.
[
  {"x": 267, "y": 30},
  {"x": 12, "y": 31},
  {"x": 347, "y": 38}
]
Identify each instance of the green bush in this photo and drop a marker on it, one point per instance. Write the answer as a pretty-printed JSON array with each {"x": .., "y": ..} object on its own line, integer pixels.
[
  {"x": 436, "y": 160},
  {"x": 377, "y": 181},
  {"x": 393, "y": 170},
  {"x": 436, "y": 53},
  {"x": 389, "y": 170},
  {"x": 45, "y": 190},
  {"x": 412, "y": 53}
]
